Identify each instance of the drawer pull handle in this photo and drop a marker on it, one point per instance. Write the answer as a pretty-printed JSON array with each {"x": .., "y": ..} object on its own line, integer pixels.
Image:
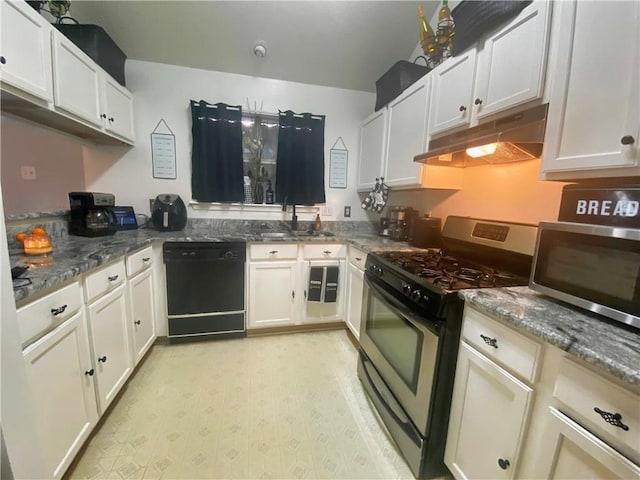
[
  {"x": 612, "y": 418},
  {"x": 293, "y": 294},
  {"x": 89, "y": 372},
  {"x": 273, "y": 252},
  {"x": 503, "y": 463},
  {"x": 59, "y": 310},
  {"x": 113, "y": 278},
  {"x": 327, "y": 252},
  {"x": 358, "y": 259},
  {"x": 102, "y": 359},
  {"x": 137, "y": 322},
  {"x": 146, "y": 259},
  {"x": 492, "y": 342}
]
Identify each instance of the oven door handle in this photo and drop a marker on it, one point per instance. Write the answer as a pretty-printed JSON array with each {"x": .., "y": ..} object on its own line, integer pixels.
[
  {"x": 391, "y": 405},
  {"x": 418, "y": 321}
]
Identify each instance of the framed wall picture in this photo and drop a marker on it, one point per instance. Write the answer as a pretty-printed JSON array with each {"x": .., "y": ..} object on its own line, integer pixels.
[
  {"x": 163, "y": 153},
  {"x": 338, "y": 162}
]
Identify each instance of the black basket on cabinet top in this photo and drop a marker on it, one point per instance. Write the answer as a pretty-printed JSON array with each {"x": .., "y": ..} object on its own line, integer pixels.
[
  {"x": 96, "y": 43},
  {"x": 396, "y": 80}
]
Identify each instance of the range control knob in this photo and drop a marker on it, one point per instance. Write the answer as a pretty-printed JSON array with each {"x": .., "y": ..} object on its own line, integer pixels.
[
  {"x": 406, "y": 289},
  {"x": 377, "y": 270},
  {"x": 416, "y": 295}
]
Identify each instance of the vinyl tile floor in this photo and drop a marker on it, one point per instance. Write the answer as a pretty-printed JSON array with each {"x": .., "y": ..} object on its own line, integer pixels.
[{"x": 282, "y": 406}]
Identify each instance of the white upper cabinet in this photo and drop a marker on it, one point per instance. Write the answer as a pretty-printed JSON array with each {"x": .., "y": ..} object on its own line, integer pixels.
[
  {"x": 373, "y": 133},
  {"x": 593, "y": 129},
  {"x": 452, "y": 92},
  {"x": 76, "y": 81},
  {"x": 512, "y": 62},
  {"x": 407, "y": 135},
  {"x": 391, "y": 137},
  {"x": 507, "y": 69},
  {"x": 25, "y": 51},
  {"x": 118, "y": 108}
]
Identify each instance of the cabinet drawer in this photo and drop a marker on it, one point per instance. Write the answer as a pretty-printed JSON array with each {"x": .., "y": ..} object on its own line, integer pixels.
[
  {"x": 271, "y": 251},
  {"x": 328, "y": 250},
  {"x": 43, "y": 315},
  {"x": 105, "y": 279},
  {"x": 582, "y": 392},
  {"x": 513, "y": 351},
  {"x": 357, "y": 257},
  {"x": 136, "y": 262}
]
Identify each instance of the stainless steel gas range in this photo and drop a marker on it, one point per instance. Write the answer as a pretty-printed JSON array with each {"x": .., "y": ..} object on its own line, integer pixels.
[{"x": 411, "y": 321}]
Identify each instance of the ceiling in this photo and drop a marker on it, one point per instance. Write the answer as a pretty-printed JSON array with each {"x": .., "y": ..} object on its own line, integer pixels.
[{"x": 344, "y": 44}]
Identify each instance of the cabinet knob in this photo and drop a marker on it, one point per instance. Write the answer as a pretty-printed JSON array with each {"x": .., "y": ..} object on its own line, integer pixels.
[
  {"x": 89, "y": 372},
  {"x": 111, "y": 119},
  {"x": 59, "y": 310},
  {"x": 104, "y": 115},
  {"x": 137, "y": 322},
  {"x": 293, "y": 294},
  {"x": 113, "y": 278},
  {"x": 503, "y": 463},
  {"x": 477, "y": 101},
  {"x": 492, "y": 342},
  {"x": 462, "y": 108},
  {"x": 3, "y": 60},
  {"x": 627, "y": 140},
  {"x": 102, "y": 359},
  {"x": 614, "y": 419}
]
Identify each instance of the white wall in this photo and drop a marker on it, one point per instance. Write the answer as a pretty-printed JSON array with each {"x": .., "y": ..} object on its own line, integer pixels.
[{"x": 164, "y": 91}]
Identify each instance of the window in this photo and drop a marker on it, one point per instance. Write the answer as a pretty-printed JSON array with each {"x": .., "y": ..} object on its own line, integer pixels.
[{"x": 259, "y": 149}]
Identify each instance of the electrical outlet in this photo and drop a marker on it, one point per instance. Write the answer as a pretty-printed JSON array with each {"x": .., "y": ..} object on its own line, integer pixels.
[
  {"x": 347, "y": 211},
  {"x": 28, "y": 173}
]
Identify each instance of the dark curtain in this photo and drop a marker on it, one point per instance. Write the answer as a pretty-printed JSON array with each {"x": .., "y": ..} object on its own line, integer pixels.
[
  {"x": 216, "y": 156},
  {"x": 300, "y": 165}
]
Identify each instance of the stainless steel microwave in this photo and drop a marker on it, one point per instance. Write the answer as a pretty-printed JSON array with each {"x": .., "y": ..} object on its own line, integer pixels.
[{"x": 594, "y": 267}]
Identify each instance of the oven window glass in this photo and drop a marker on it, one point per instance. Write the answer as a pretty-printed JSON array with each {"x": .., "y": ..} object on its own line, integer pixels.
[
  {"x": 397, "y": 339},
  {"x": 599, "y": 269}
]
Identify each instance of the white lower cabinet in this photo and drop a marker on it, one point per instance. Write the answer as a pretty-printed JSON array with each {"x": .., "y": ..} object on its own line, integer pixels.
[
  {"x": 489, "y": 416},
  {"x": 109, "y": 334},
  {"x": 581, "y": 424},
  {"x": 61, "y": 376},
  {"x": 272, "y": 293},
  {"x": 573, "y": 452},
  {"x": 355, "y": 286},
  {"x": 142, "y": 313}
]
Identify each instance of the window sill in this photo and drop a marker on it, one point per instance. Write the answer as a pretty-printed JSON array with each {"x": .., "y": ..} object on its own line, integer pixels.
[{"x": 248, "y": 207}]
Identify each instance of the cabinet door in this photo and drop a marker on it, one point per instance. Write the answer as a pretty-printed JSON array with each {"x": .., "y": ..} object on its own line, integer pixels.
[
  {"x": 408, "y": 129},
  {"x": 142, "y": 313},
  {"x": 109, "y": 327},
  {"x": 324, "y": 311},
  {"x": 452, "y": 92},
  {"x": 355, "y": 284},
  {"x": 118, "y": 108},
  {"x": 76, "y": 81},
  {"x": 25, "y": 51},
  {"x": 373, "y": 134},
  {"x": 60, "y": 377},
  {"x": 488, "y": 419},
  {"x": 272, "y": 293},
  {"x": 571, "y": 452},
  {"x": 594, "y": 114},
  {"x": 512, "y": 63}
]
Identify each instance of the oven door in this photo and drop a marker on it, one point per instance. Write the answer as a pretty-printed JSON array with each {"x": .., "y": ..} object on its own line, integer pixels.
[{"x": 403, "y": 348}]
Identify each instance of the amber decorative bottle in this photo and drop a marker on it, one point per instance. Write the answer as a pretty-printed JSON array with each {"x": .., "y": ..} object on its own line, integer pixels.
[
  {"x": 318, "y": 225},
  {"x": 427, "y": 37}
]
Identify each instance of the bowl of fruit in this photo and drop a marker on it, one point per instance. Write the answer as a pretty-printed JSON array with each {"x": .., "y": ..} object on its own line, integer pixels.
[{"x": 35, "y": 242}]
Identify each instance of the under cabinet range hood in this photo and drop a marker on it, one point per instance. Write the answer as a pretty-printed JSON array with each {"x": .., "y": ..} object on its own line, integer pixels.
[{"x": 508, "y": 139}]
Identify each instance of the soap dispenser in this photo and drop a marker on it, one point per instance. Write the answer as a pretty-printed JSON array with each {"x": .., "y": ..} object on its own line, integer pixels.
[
  {"x": 318, "y": 226},
  {"x": 269, "y": 193}
]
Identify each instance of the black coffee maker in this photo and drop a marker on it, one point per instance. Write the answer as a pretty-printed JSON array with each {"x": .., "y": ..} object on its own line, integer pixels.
[{"x": 91, "y": 215}]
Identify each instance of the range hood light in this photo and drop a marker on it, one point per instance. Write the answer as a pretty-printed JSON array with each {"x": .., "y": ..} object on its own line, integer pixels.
[{"x": 482, "y": 150}]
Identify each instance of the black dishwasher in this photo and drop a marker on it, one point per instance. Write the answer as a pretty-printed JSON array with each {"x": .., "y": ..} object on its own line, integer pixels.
[{"x": 205, "y": 289}]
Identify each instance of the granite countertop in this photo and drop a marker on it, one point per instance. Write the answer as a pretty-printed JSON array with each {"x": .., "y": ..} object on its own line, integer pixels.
[
  {"x": 73, "y": 255},
  {"x": 606, "y": 345}
]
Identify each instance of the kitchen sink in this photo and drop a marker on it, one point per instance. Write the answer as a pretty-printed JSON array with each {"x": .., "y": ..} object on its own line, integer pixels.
[{"x": 275, "y": 234}]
